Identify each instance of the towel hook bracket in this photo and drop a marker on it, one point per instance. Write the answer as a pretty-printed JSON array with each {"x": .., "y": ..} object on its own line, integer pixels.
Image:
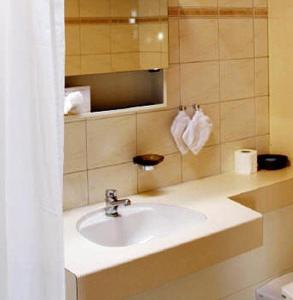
[
  {"x": 196, "y": 107},
  {"x": 182, "y": 107}
]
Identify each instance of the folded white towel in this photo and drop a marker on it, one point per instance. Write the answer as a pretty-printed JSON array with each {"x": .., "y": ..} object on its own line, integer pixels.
[
  {"x": 198, "y": 132},
  {"x": 178, "y": 127},
  {"x": 73, "y": 102}
]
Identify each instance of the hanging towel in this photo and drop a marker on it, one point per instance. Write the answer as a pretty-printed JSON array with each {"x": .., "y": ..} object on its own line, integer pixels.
[
  {"x": 198, "y": 132},
  {"x": 178, "y": 127}
]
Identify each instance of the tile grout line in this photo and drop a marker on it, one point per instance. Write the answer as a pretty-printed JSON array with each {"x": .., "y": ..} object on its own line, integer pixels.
[
  {"x": 254, "y": 82},
  {"x": 269, "y": 77},
  {"x": 87, "y": 163},
  {"x": 219, "y": 92},
  {"x": 180, "y": 87},
  {"x": 136, "y": 150}
]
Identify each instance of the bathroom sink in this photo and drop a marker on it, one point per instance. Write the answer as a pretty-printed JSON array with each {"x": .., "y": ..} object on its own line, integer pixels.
[{"x": 137, "y": 224}]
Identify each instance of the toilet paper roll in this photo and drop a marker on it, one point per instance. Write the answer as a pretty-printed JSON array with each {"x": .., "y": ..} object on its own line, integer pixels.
[{"x": 245, "y": 161}]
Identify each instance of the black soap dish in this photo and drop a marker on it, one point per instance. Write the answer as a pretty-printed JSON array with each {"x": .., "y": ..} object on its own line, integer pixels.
[
  {"x": 148, "y": 161},
  {"x": 272, "y": 161}
]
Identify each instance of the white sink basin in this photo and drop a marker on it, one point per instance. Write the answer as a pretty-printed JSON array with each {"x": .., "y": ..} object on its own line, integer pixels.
[{"x": 138, "y": 223}]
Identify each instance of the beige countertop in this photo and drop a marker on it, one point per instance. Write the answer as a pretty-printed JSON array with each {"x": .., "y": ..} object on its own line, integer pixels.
[
  {"x": 231, "y": 228},
  {"x": 209, "y": 196}
]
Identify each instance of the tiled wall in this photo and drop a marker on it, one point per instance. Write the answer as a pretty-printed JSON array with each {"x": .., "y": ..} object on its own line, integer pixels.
[
  {"x": 281, "y": 72},
  {"x": 100, "y": 39},
  {"x": 219, "y": 59}
]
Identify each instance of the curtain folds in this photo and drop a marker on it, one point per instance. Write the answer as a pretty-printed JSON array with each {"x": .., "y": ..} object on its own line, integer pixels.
[{"x": 31, "y": 150}]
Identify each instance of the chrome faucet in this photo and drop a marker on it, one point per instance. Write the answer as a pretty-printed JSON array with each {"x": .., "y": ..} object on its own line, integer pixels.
[{"x": 112, "y": 203}]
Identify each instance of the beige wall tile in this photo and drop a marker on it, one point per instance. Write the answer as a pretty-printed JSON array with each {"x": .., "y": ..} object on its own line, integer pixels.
[
  {"x": 75, "y": 190},
  {"x": 173, "y": 40},
  {"x": 236, "y": 3},
  {"x": 228, "y": 149},
  {"x": 261, "y": 3},
  {"x": 125, "y": 61},
  {"x": 213, "y": 112},
  {"x": 72, "y": 39},
  {"x": 72, "y": 65},
  {"x": 200, "y": 83},
  {"x": 263, "y": 144},
  {"x": 93, "y": 64},
  {"x": 237, "y": 120},
  {"x": 164, "y": 60},
  {"x": 111, "y": 141},
  {"x": 173, "y": 85},
  {"x": 148, "y": 37},
  {"x": 150, "y": 60},
  {"x": 166, "y": 173},
  {"x": 261, "y": 37},
  {"x": 95, "y": 39},
  {"x": 150, "y": 8},
  {"x": 153, "y": 132},
  {"x": 94, "y": 8},
  {"x": 198, "y": 39},
  {"x": 236, "y": 38},
  {"x": 262, "y": 115},
  {"x": 172, "y": 3},
  {"x": 163, "y": 36},
  {"x": 71, "y": 8},
  {"x": 237, "y": 79},
  {"x": 163, "y": 7},
  {"x": 121, "y": 177},
  {"x": 261, "y": 77},
  {"x": 206, "y": 163},
  {"x": 124, "y": 38},
  {"x": 75, "y": 147},
  {"x": 125, "y": 8}
]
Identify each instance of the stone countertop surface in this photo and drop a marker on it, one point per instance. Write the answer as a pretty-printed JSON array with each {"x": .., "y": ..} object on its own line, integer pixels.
[{"x": 210, "y": 196}]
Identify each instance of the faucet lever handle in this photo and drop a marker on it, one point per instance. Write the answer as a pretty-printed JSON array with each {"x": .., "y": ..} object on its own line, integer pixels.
[{"x": 111, "y": 193}]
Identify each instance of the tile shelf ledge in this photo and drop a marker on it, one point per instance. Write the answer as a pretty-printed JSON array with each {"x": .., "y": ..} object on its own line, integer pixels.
[{"x": 114, "y": 113}]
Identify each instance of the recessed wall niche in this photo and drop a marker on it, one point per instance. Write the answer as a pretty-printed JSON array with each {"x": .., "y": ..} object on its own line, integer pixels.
[
  {"x": 123, "y": 89},
  {"x": 111, "y": 45}
]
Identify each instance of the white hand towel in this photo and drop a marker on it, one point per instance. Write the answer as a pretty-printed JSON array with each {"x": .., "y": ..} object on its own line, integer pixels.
[
  {"x": 73, "y": 102},
  {"x": 178, "y": 127},
  {"x": 198, "y": 132}
]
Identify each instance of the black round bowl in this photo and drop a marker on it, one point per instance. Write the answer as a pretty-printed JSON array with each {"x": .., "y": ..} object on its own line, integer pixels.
[
  {"x": 272, "y": 161},
  {"x": 148, "y": 159}
]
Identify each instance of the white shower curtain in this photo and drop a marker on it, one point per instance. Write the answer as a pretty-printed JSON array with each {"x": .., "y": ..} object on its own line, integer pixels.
[{"x": 31, "y": 143}]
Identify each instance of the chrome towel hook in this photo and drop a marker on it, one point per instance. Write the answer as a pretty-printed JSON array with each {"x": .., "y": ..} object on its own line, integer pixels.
[{"x": 196, "y": 107}]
